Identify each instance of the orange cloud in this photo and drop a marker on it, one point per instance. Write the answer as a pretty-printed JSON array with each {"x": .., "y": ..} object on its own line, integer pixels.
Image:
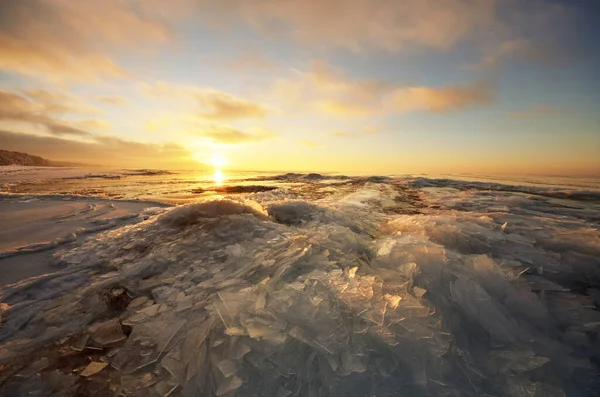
[
  {"x": 58, "y": 102},
  {"x": 327, "y": 90},
  {"x": 441, "y": 99},
  {"x": 366, "y": 131},
  {"x": 250, "y": 60},
  {"x": 229, "y": 135},
  {"x": 111, "y": 99},
  {"x": 42, "y": 109},
  {"x": 341, "y": 108},
  {"x": 213, "y": 104},
  {"x": 222, "y": 106},
  {"x": 72, "y": 40},
  {"x": 94, "y": 124}
]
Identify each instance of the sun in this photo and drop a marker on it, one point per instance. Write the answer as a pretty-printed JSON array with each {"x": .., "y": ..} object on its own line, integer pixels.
[{"x": 218, "y": 160}]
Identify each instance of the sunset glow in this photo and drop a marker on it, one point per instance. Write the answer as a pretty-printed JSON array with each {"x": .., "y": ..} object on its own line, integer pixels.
[
  {"x": 333, "y": 198},
  {"x": 218, "y": 160},
  {"x": 352, "y": 86}
]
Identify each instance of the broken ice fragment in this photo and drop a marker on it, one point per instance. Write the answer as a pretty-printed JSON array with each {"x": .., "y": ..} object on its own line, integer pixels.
[
  {"x": 376, "y": 314},
  {"x": 229, "y": 384},
  {"x": 136, "y": 318},
  {"x": 297, "y": 333},
  {"x": 93, "y": 368},
  {"x": 352, "y": 272},
  {"x": 145, "y": 344},
  {"x": 233, "y": 331},
  {"x": 184, "y": 304},
  {"x": 166, "y": 388},
  {"x": 419, "y": 292},
  {"x": 386, "y": 248},
  {"x": 80, "y": 342},
  {"x": 149, "y": 283},
  {"x": 34, "y": 368},
  {"x": 227, "y": 367},
  {"x": 260, "y": 302},
  {"x": 138, "y": 302},
  {"x": 132, "y": 384},
  {"x": 392, "y": 300},
  {"x": 258, "y": 327},
  {"x": 107, "y": 332},
  {"x": 352, "y": 362},
  {"x": 174, "y": 366},
  {"x": 239, "y": 351},
  {"x": 150, "y": 311}
]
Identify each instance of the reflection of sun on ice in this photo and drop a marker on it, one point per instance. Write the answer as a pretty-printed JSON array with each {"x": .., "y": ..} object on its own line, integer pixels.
[{"x": 218, "y": 177}]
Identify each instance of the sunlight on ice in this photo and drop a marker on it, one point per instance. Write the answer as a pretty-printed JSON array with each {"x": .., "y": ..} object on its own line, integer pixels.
[{"x": 218, "y": 177}]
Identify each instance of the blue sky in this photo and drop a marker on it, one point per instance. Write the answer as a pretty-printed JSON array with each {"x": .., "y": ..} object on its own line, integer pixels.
[{"x": 352, "y": 86}]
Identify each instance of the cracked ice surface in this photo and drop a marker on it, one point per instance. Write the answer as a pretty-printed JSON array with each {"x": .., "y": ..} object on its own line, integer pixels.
[{"x": 352, "y": 294}]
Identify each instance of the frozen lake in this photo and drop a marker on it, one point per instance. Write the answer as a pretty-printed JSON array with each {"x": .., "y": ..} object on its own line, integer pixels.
[{"x": 299, "y": 285}]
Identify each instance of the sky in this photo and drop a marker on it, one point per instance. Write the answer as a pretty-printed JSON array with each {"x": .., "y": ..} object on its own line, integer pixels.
[{"x": 350, "y": 86}]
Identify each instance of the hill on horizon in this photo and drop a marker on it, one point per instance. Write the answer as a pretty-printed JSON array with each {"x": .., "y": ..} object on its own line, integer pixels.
[{"x": 18, "y": 158}]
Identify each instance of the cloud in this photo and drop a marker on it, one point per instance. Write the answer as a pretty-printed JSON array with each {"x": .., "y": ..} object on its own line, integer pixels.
[
  {"x": 80, "y": 40},
  {"x": 365, "y": 131},
  {"x": 309, "y": 143},
  {"x": 73, "y": 40},
  {"x": 210, "y": 104},
  {"x": 111, "y": 99},
  {"x": 94, "y": 124},
  {"x": 342, "y": 108},
  {"x": 43, "y": 109},
  {"x": 222, "y": 106},
  {"x": 361, "y": 25},
  {"x": 250, "y": 60},
  {"x": 535, "y": 111},
  {"x": 441, "y": 99},
  {"x": 511, "y": 49},
  {"x": 327, "y": 90},
  {"x": 101, "y": 150},
  {"x": 229, "y": 135}
]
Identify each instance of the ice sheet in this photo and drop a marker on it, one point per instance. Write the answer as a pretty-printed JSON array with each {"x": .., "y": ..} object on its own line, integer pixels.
[{"x": 360, "y": 291}]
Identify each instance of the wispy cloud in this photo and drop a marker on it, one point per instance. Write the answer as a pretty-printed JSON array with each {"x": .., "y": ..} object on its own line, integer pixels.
[
  {"x": 111, "y": 99},
  {"x": 250, "y": 60},
  {"x": 535, "y": 111},
  {"x": 309, "y": 143},
  {"x": 210, "y": 104},
  {"x": 44, "y": 109},
  {"x": 439, "y": 99},
  {"x": 228, "y": 135},
  {"x": 514, "y": 49},
  {"x": 363, "y": 132},
  {"x": 362, "y": 25},
  {"x": 58, "y": 102},
  {"x": 327, "y": 90},
  {"x": 73, "y": 40}
]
